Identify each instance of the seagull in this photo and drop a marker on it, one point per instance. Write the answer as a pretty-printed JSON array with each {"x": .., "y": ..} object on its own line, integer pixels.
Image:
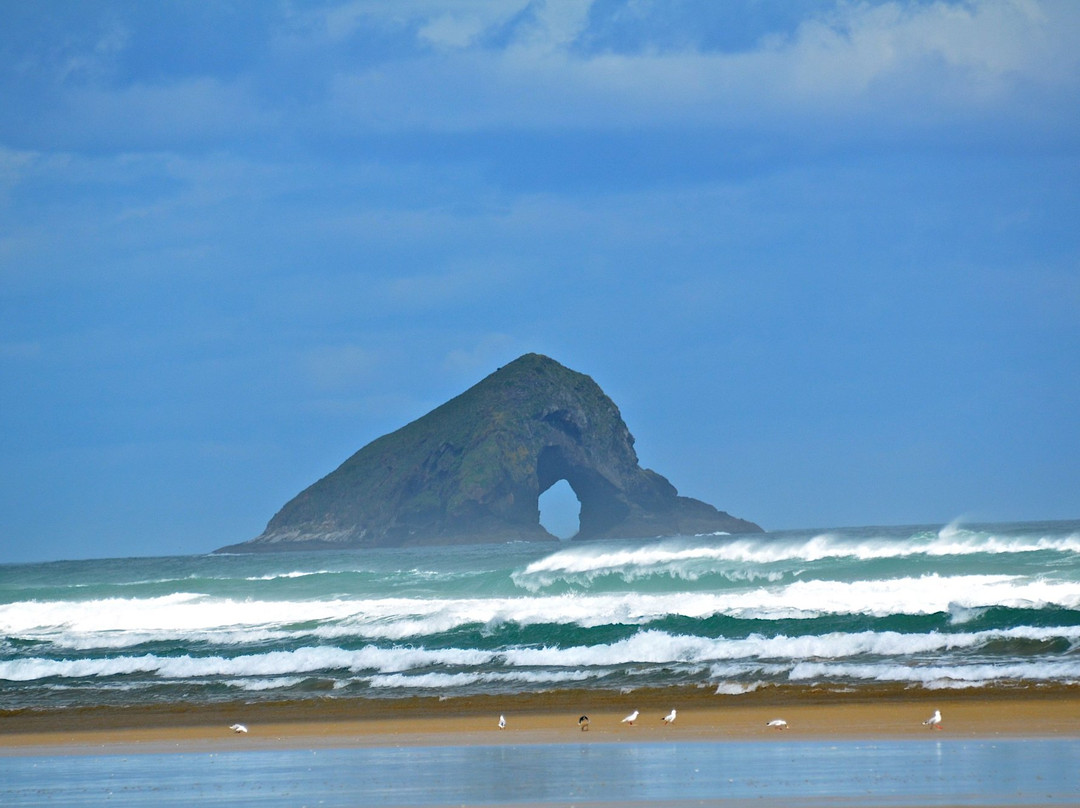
[
  {"x": 630, "y": 719},
  {"x": 238, "y": 728},
  {"x": 583, "y": 722},
  {"x": 502, "y": 722},
  {"x": 777, "y": 723},
  {"x": 934, "y": 721},
  {"x": 669, "y": 718}
]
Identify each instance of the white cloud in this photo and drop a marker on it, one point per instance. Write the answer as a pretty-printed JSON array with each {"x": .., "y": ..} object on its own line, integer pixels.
[
  {"x": 481, "y": 355},
  {"x": 541, "y": 26},
  {"x": 14, "y": 165},
  {"x": 198, "y": 109},
  {"x": 889, "y": 62},
  {"x": 554, "y": 25},
  {"x": 448, "y": 24},
  {"x": 441, "y": 289},
  {"x": 452, "y": 31},
  {"x": 519, "y": 65},
  {"x": 337, "y": 367},
  {"x": 985, "y": 45}
]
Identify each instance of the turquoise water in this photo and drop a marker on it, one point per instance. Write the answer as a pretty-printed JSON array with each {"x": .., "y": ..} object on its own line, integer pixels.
[
  {"x": 899, "y": 773},
  {"x": 934, "y": 607}
]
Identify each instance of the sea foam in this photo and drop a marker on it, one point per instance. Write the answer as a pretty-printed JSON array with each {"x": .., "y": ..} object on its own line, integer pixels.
[
  {"x": 647, "y": 646},
  {"x": 116, "y": 622},
  {"x": 691, "y": 559},
  {"x": 958, "y": 606}
]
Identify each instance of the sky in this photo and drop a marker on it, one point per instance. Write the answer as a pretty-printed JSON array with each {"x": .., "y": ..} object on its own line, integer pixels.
[{"x": 824, "y": 256}]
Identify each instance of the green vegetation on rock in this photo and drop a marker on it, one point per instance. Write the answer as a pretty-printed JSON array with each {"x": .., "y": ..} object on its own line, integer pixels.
[{"x": 472, "y": 470}]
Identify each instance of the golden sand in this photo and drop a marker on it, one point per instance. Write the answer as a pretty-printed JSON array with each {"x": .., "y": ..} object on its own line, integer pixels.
[{"x": 544, "y": 718}]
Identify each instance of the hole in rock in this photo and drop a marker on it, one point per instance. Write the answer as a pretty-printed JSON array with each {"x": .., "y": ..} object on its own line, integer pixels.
[{"x": 560, "y": 510}]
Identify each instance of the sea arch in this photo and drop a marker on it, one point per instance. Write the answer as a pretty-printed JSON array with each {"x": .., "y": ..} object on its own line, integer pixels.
[{"x": 601, "y": 508}]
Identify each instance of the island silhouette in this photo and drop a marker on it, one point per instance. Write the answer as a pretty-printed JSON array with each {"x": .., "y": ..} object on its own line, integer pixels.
[{"x": 472, "y": 471}]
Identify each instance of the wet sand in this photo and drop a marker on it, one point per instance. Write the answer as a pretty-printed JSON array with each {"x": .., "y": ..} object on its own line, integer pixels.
[{"x": 542, "y": 719}]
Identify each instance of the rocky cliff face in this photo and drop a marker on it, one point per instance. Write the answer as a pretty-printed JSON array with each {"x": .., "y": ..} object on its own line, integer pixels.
[{"x": 473, "y": 469}]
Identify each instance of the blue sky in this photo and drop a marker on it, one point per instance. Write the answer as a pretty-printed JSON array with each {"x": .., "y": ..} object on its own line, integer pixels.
[{"x": 825, "y": 256}]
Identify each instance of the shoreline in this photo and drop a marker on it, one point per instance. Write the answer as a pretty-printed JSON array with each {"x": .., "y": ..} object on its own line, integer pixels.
[{"x": 545, "y": 718}]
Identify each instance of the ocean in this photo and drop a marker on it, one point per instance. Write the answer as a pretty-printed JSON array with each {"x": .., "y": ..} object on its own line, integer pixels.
[{"x": 949, "y": 607}]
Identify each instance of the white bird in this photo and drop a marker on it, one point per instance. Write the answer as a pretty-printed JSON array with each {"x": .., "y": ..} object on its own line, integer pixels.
[
  {"x": 502, "y": 722},
  {"x": 583, "y": 722},
  {"x": 670, "y": 718},
  {"x": 630, "y": 719},
  {"x": 934, "y": 721},
  {"x": 777, "y": 723},
  {"x": 238, "y": 728}
]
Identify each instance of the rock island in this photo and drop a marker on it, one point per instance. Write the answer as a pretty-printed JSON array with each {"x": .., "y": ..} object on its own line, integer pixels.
[{"x": 473, "y": 469}]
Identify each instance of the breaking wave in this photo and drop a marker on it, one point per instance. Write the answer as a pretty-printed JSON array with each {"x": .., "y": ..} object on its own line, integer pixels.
[{"x": 943, "y": 607}]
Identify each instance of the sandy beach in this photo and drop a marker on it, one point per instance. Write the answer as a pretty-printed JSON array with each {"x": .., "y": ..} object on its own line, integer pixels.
[
  {"x": 1003, "y": 747},
  {"x": 543, "y": 719}
]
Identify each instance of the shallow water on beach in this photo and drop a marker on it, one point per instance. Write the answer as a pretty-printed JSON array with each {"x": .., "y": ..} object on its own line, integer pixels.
[{"x": 799, "y": 773}]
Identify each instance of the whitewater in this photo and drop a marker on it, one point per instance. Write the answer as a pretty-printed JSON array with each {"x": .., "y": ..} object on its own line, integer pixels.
[{"x": 958, "y": 606}]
